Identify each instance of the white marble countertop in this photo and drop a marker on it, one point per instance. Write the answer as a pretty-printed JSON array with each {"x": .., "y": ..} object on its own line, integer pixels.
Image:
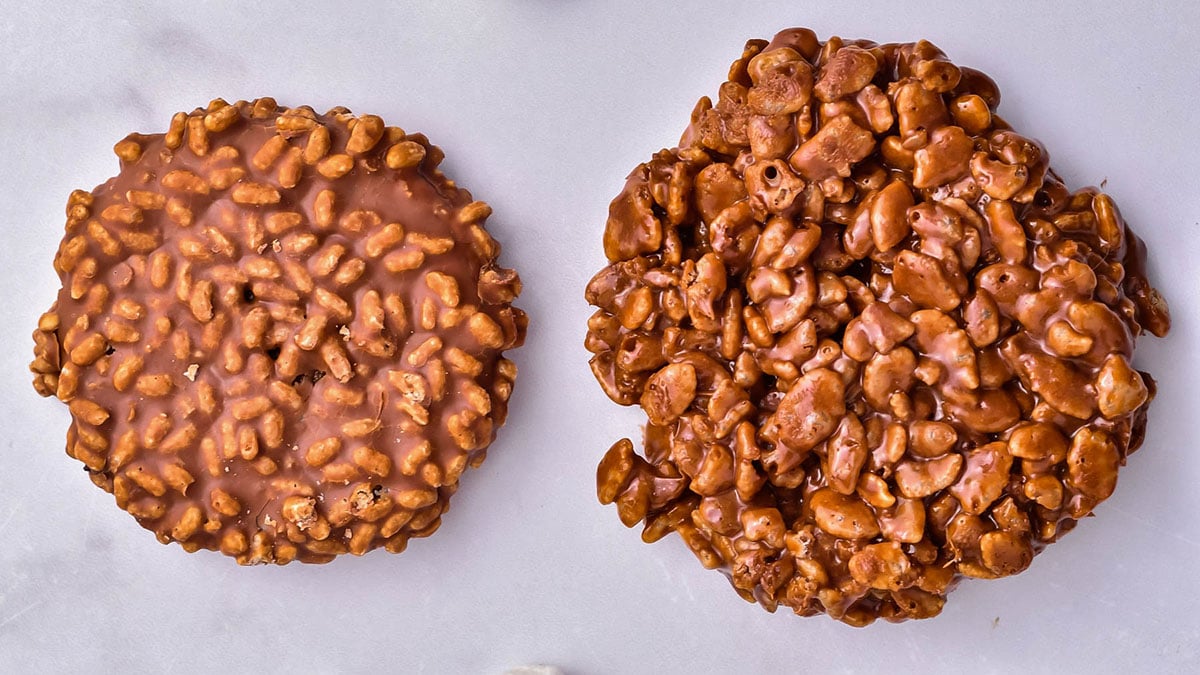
[{"x": 542, "y": 108}]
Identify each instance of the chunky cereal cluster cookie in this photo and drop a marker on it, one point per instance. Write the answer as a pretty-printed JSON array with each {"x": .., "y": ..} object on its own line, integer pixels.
[
  {"x": 879, "y": 344},
  {"x": 280, "y": 333}
]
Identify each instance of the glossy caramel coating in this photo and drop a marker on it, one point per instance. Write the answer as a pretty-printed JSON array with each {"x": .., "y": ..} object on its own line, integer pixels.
[{"x": 879, "y": 344}]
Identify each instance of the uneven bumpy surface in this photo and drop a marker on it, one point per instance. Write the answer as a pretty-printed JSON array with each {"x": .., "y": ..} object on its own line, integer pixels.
[
  {"x": 878, "y": 342},
  {"x": 280, "y": 333}
]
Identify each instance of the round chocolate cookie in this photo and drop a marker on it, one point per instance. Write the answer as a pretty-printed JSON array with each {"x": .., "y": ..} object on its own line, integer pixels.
[
  {"x": 879, "y": 344},
  {"x": 280, "y": 333}
]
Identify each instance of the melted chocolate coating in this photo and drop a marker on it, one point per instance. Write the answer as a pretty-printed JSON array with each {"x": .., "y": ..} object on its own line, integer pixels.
[{"x": 292, "y": 329}]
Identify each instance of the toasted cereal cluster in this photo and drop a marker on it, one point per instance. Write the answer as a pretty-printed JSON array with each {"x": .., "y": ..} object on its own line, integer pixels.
[
  {"x": 280, "y": 333},
  {"x": 878, "y": 342}
]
